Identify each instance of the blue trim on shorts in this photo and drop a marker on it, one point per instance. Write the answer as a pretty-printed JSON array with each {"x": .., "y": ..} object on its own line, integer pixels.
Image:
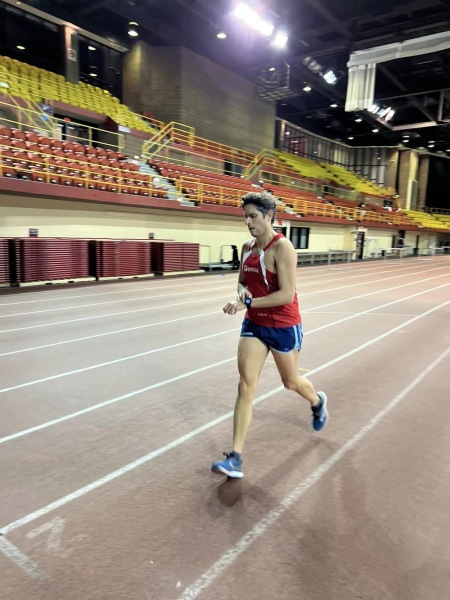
[{"x": 280, "y": 339}]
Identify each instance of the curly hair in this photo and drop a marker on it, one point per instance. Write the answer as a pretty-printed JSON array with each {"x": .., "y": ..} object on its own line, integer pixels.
[{"x": 263, "y": 201}]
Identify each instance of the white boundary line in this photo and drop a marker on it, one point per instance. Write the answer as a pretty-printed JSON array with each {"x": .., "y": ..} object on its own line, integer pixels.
[
  {"x": 117, "y": 331},
  {"x": 116, "y": 361},
  {"x": 94, "y": 407},
  {"x": 260, "y": 528},
  {"x": 190, "y": 302},
  {"x": 123, "y": 312},
  {"x": 152, "y": 285},
  {"x": 152, "y": 297},
  {"x": 138, "y": 298},
  {"x": 57, "y": 504},
  {"x": 20, "y": 559},
  {"x": 193, "y": 340}
]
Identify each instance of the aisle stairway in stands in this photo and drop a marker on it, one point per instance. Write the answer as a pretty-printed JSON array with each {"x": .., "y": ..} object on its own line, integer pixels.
[{"x": 162, "y": 182}]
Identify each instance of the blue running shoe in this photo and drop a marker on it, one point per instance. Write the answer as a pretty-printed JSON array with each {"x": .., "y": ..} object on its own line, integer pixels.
[
  {"x": 231, "y": 466},
  {"x": 320, "y": 415}
]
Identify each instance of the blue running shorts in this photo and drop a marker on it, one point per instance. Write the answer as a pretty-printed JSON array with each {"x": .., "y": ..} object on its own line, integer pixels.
[{"x": 280, "y": 339}]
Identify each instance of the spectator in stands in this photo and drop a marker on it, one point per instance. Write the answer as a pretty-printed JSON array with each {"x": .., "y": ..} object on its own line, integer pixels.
[{"x": 272, "y": 323}]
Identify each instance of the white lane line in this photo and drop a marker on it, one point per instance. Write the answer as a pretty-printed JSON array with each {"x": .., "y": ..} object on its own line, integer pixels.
[
  {"x": 371, "y": 310},
  {"x": 310, "y": 276},
  {"x": 123, "y": 312},
  {"x": 88, "y": 337},
  {"x": 345, "y": 312},
  {"x": 152, "y": 286},
  {"x": 117, "y": 331},
  {"x": 89, "y": 409},
  {"x": 396, "y": 287},
  {"x": 153, "y": 297},
  {"x": 141, "y": 354},
  {"x": 116, "y": 361},
  {"x": 262, "y": 526},
  {"x": 214, "y": 298},
  {"x": 20, "y": 559},
  {"x": 54, "y": 422},
  {"x": 188, "y": 436},
  {"x": 128, "y": 300}
]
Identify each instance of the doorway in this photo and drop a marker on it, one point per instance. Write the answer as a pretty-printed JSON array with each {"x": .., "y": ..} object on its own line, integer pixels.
[{"x": 360, "y": 245}]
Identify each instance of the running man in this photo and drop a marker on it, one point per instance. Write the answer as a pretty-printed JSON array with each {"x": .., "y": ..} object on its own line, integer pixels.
[{"x": 272, "y": 323}]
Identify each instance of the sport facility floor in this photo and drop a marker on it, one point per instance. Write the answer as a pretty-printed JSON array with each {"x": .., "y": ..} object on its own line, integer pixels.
[{"x": 116, "y": 397}]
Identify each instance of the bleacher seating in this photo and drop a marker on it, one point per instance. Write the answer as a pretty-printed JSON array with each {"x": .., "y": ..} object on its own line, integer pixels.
[
  {"x": 346, "y": 178},
  {"x": 28, "y": 155},
  {"x": 295, "y": 180},
  {"x": 426, "y": 219},
  {"x": 206, "y": 186},
  {"x": 31, "y": 83},
  {"x": 443, "y": 218},
  {"x": 304, "y": 166}
]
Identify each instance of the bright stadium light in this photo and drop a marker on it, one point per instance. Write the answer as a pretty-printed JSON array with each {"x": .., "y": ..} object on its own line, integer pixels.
[
  {"x": 330, "y": 77},
  {"x": 252, "y": 18},
  {"x": 280, "y": 40}
]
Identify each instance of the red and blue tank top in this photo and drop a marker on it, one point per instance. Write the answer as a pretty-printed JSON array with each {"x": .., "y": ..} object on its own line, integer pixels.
[{"x": 262, "y": 282}]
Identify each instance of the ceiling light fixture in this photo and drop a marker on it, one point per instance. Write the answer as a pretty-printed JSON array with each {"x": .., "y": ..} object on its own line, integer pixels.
[
  {"x": 330, "y": 77},
  {"x": 222, "y": 35},
  {"x": 307, "y": 88},
  {"x": 280, "y": 40},
  {"x": 92, "y": 48},
  {"x": 252, "y": 18},
  {"x": 334, "y": 105},
  {"x": 375, "y": 130},
  {"x": 132, "y": 29},
  {"x": 20, "y": 47},
  {"x": 358, "y": 120},
  {"x": 312, "y": 64}
]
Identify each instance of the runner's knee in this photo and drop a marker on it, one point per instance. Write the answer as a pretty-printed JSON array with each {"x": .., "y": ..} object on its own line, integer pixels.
[
  {"x": 247, "y": 386},
  {"x": 290, "y": 383}
]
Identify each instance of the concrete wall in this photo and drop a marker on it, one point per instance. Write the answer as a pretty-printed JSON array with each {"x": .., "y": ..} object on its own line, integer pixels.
[
  {"x": 408, "y": 172},
  {"x": 175, "y": 84},
  {"x": 64, "y": 218},
  {"x": 424, "y": 167},
  {"x": 392, "y": 167},
  {"x": 224, "y": 106}
]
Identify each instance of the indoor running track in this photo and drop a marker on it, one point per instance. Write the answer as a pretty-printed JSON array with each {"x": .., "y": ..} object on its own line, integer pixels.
[{"x": 116, "y": 397}]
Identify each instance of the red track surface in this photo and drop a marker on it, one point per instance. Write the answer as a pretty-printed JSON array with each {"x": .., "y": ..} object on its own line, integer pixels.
[{"x": 115, "y": 399}]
